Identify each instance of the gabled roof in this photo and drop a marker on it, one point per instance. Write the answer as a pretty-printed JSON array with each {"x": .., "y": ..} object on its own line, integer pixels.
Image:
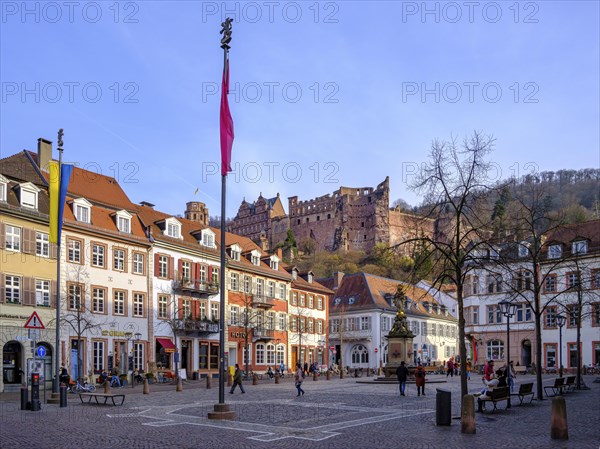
[
  {"x": 300, "y": 283},
  {"x": 22, "y": 167}
]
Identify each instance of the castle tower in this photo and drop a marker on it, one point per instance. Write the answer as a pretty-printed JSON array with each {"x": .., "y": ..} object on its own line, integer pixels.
[{"x": 197, "y": 211}]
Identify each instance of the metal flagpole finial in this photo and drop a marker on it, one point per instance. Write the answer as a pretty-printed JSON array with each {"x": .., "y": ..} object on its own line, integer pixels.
[
  {"x": 226, "y": 32},
  {"x": 60, "y": 137}
]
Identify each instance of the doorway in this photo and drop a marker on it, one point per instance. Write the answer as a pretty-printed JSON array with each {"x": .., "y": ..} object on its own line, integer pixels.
[
  {"x": 526, "y": 353},
  {"x": 11, "y": 362}
]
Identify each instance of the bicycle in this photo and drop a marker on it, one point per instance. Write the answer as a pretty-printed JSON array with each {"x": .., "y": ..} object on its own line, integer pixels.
[{"x": 82, "y": 388}]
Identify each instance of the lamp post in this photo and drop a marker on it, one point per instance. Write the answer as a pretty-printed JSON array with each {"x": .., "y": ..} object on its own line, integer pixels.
[
  {"x": 508, "y": 310},
  {"x": 560, "y": 321}
]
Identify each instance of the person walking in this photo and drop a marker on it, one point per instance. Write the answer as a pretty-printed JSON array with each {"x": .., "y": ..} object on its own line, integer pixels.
[
  {"x": 468, "y": 367},
  {"x": 402, "y": 373},
  {"x": 299, "y": 379},
  {"x": 420, "y": 380},
  {"x": 450, "y": 371},
  {"x": 237, "y": 379},
  {"x": 510, "y": 374}
]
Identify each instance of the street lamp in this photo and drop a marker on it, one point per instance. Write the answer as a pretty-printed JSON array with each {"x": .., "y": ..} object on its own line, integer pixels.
[
  {"x": 560, "y": 321},
  {"x": 508, "y": 310}
]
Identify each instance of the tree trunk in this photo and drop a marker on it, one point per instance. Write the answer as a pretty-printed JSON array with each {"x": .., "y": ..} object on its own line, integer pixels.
[{"x": 538, "y": 351}]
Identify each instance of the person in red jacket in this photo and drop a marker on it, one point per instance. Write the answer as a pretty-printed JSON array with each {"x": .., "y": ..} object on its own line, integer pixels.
[{"x": 420, "y": 380}]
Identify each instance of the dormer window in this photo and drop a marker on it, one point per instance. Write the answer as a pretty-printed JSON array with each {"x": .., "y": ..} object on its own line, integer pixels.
[
  {"x": 274, "y": 263},
  {"x": 208, "y": 238},
  {"x": 173, "y": 228},
  {"x": 523, "y": 249},
  {"x": 294, "y": 274},
  {"x": 255, "y": 257},
  {"x": 351, "y": 300},
  {"x": 579, "y": 247},
  {"x": 28, "y": 195},
  {"x": 337, "y": 301},
  {"x": 236, "y": 252},
  {"x": 3, "y": 188},
  {"x": 82, "y": 210},
  {"x": 435, "y": 309},
  {"x": 124, "y": 221},
  {"x": 554, "y": 251},
  {"x": 444, "y": 310},
  {"x": 309, "y": 278}
]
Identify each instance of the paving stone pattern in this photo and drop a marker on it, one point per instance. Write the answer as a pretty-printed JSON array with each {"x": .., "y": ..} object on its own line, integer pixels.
[{"x": 332, "y": 414}]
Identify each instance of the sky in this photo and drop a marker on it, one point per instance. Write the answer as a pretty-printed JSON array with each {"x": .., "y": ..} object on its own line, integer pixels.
[{"x": 323, "y": 94}]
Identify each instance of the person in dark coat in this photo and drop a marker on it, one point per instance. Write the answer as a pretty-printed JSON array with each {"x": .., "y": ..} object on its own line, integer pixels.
[
  {"x": 237, "y": 379},
  {"x": 420, "y": 380},
  {"x": 402, "y": 373}
]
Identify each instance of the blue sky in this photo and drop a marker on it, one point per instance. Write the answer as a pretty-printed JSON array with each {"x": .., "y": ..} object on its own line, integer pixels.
[{"x": 325, "y": 94}]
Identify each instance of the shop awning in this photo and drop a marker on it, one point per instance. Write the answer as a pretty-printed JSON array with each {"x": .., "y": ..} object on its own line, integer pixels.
[{"x": 167, "y": 344}]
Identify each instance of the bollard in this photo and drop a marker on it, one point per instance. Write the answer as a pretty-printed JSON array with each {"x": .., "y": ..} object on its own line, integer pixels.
[
  {"x": 255, "y": 379},
  {"x": 179, "y": 384},
  {"x": 276, "y": 378},
  {"x": 314, "y": 376},
  {"x": 106, "y": 387},
  {"x": 146, "y": 386},
  {"x": 63, "y": 396},
  {"x": 559, "y": 428},
  {"x": 328, "y": 375},
  {"x": 208, "y": 382},
  {"x": 368, "y": 372},
  {"x": 443, "y": 408},
  {"x": 229, "y": 380},
  {"x": 468, "y": 414},
  {"x": 24, "y": 394}
]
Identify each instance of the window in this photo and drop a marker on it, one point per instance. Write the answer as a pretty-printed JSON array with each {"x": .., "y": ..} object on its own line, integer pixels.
[
  {"x": 311, "y": 325},
  {"x": 12, "y": 292},
  {"x": 523, "y": 313},
  {"x": 186, "y": 309},
  {"x": 215, "y": 275},
  {"x": 214, "y": 311},
  {"x": 474, "y": 287},
  {"x": 270, "y": 354},
  {"x": 475, "y": 314},
  {"x": 551, "y": 313},
  {"x": 274, "y": 263},
  {"x": 282, "y": 291},
  {"x": 42, "y": 292},
  {"x": 203, "y": 314},
  {"x": 282, "y": 321},
  {"x": 595, "y": 278},
  {"x": 596, "y": 315},
  {"x": 255, "y": 257},
  {"x": 294, "y": 324},
  {"x": 98, "y": 299},
  {"x": 550, "y": 283},
  {"x": 3, "y": 184},
  {"x": 302, "y": 300},
  {"x": 495, "y": 350},
  {"x": 271, "y": 289},
  {"x": 572, "y": 280},
  {"x": 579, "y": 247},
  {"x": 119, "y": 302},
  {"x": 280, "y": 355},
  {"x": 572, "y": 355},
  {"x": 119, "y": 259},
  {"x": 494, "y": 315},
  {"x": 247, "y": 284},
  {"x": 138, "y": 263},
  {"x": 415, "y": 327},
  {"x": 124, "y": 221},
  {"x": 311, "y": 301},
  {"x": 270, "y": 324},
  {"x": 186, "y": 270},
  {"x": 74, "y": 250},
  {"x": 234, "y": 312},
  {"x": 42, "y": 244},
  {"x": 138, "y": 304},
  {"x": 554, "y": 251},
  {"x": 173, "y": 230},
  {"x": 494, "y": 283},
  {"x": 163, "y": 307},
  {"x": 523, "y": 280},
  {"x": 334, "y": 325},
  {"x": 234, "y": 281},
  {"x": 365, "y": 323},
  {"x": 319, "y": 326},
  {"x": 360, "y": 355},
  {"x": 82, "y": 213},
  {"x": 247, "y": 354},
  {"x": 74, "y": 297},
  {"x": 550, "y": 355},
  {"x": 98, "y": 255},
  {"x": 432, "y": 328},
  {"x": 294, "y": 298},
  {"x": 98, "y": 355},
  {"x": 259, "y": 287},
  {"x": 208, "y": 239},
  {"x": 163, "y": 266},
  {"x": 28, "y": 193},
  {"x": 523, "y": 249},
  {"x": 423, "y": 328},
  {"x": 138, "y": 355},
  {"x": 236, "y": 252},
  {"x": 13, "y": 238},
  {"x": 572, "y": 315},
  {"x": 319, "y": 302},
  {"x": 260, "y": 354}
]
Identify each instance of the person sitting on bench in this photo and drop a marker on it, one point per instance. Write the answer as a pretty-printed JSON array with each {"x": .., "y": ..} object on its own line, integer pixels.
[
  {"x": 138, "y": 376},
  {"x": 115, "y": 378}
]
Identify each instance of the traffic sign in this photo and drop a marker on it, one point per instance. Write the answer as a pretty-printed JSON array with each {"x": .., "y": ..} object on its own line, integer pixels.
[
  {"x": 41, "y": 351},
  {"x": 34, "y": 322},
  {"x": 332, "y": 348},
  {"x": 375, "y": 350}
]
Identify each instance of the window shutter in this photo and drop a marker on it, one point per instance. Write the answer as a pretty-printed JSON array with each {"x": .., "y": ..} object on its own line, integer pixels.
[
  {"x": 28, "y": 291},
  {"x": 179, "y": 274},
  {"x": 53, "y": 251},
  {"x": 171, "y": 268},
  {"x": 28, "y": 241},
  {"x": 156, "y": 256},
  {"x": 197, "y": 272},
  {"x": 2, "y": 240},
  {"x": 2, "y": 290},
  {"x": 53, "y": 294}
]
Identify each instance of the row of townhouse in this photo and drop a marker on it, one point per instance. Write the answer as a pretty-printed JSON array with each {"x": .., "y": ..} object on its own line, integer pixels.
[
  {"x": 362, "y": 312},
  {"x": 139, "y": 288},
  {"x": 569, "y": 277}
]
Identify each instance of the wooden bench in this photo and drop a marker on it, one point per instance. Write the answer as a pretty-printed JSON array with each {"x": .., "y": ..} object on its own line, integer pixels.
[
  {"x": 106, "y": 397},
  {"x": 524, "y": 390},
  {"x": 557, "y": 388},
  {"x": 570, "y": 383},
  {"x": 498, "y": 394}
]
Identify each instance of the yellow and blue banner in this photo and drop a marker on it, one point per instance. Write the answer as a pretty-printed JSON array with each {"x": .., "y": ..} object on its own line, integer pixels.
[{"x": 58, "y": 195}]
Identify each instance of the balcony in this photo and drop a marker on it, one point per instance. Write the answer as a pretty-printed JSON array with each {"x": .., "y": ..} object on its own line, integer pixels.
[
  {"x": 196, "y": 327},
  {"x": 262, "y": 334},
  {"x": 353, "y": 335},
  {"x": 262, "y": 301},
  {"x": 194, "y": 286}
]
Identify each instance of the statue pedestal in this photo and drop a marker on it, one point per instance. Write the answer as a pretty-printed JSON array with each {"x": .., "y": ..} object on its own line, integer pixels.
[{"x": 398, "y": 348}]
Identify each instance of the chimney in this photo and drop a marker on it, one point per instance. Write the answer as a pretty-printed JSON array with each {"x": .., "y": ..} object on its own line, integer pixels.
[
  {"x": 44, "y": 153},
  {"x": 337, "y": 279},
  {"x": 279, "y": 253}
]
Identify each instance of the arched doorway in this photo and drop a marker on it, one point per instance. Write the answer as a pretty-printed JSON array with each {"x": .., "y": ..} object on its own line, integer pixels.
[
  {"x": 12, "y": 362},
  {"x": 526, "y": 353}
]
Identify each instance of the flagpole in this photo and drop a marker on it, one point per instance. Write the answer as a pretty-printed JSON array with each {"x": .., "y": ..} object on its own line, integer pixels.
[
  {"x": 221, "y": 410},
  {"x": 55, "y": 384}
]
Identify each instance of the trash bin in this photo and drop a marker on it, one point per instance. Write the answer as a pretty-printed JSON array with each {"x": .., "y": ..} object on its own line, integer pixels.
[{"x": 443, "y": 407}]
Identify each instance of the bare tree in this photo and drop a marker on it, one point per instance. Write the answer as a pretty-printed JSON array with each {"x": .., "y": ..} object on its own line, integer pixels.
[{"x": 454, "y": 185}]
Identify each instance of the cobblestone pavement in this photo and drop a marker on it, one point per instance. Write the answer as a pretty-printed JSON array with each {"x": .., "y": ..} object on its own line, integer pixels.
[{"x": 332, "y": 414}]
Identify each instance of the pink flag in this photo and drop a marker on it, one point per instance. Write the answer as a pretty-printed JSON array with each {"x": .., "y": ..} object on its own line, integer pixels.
[{"x": 226, "y": 124}]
